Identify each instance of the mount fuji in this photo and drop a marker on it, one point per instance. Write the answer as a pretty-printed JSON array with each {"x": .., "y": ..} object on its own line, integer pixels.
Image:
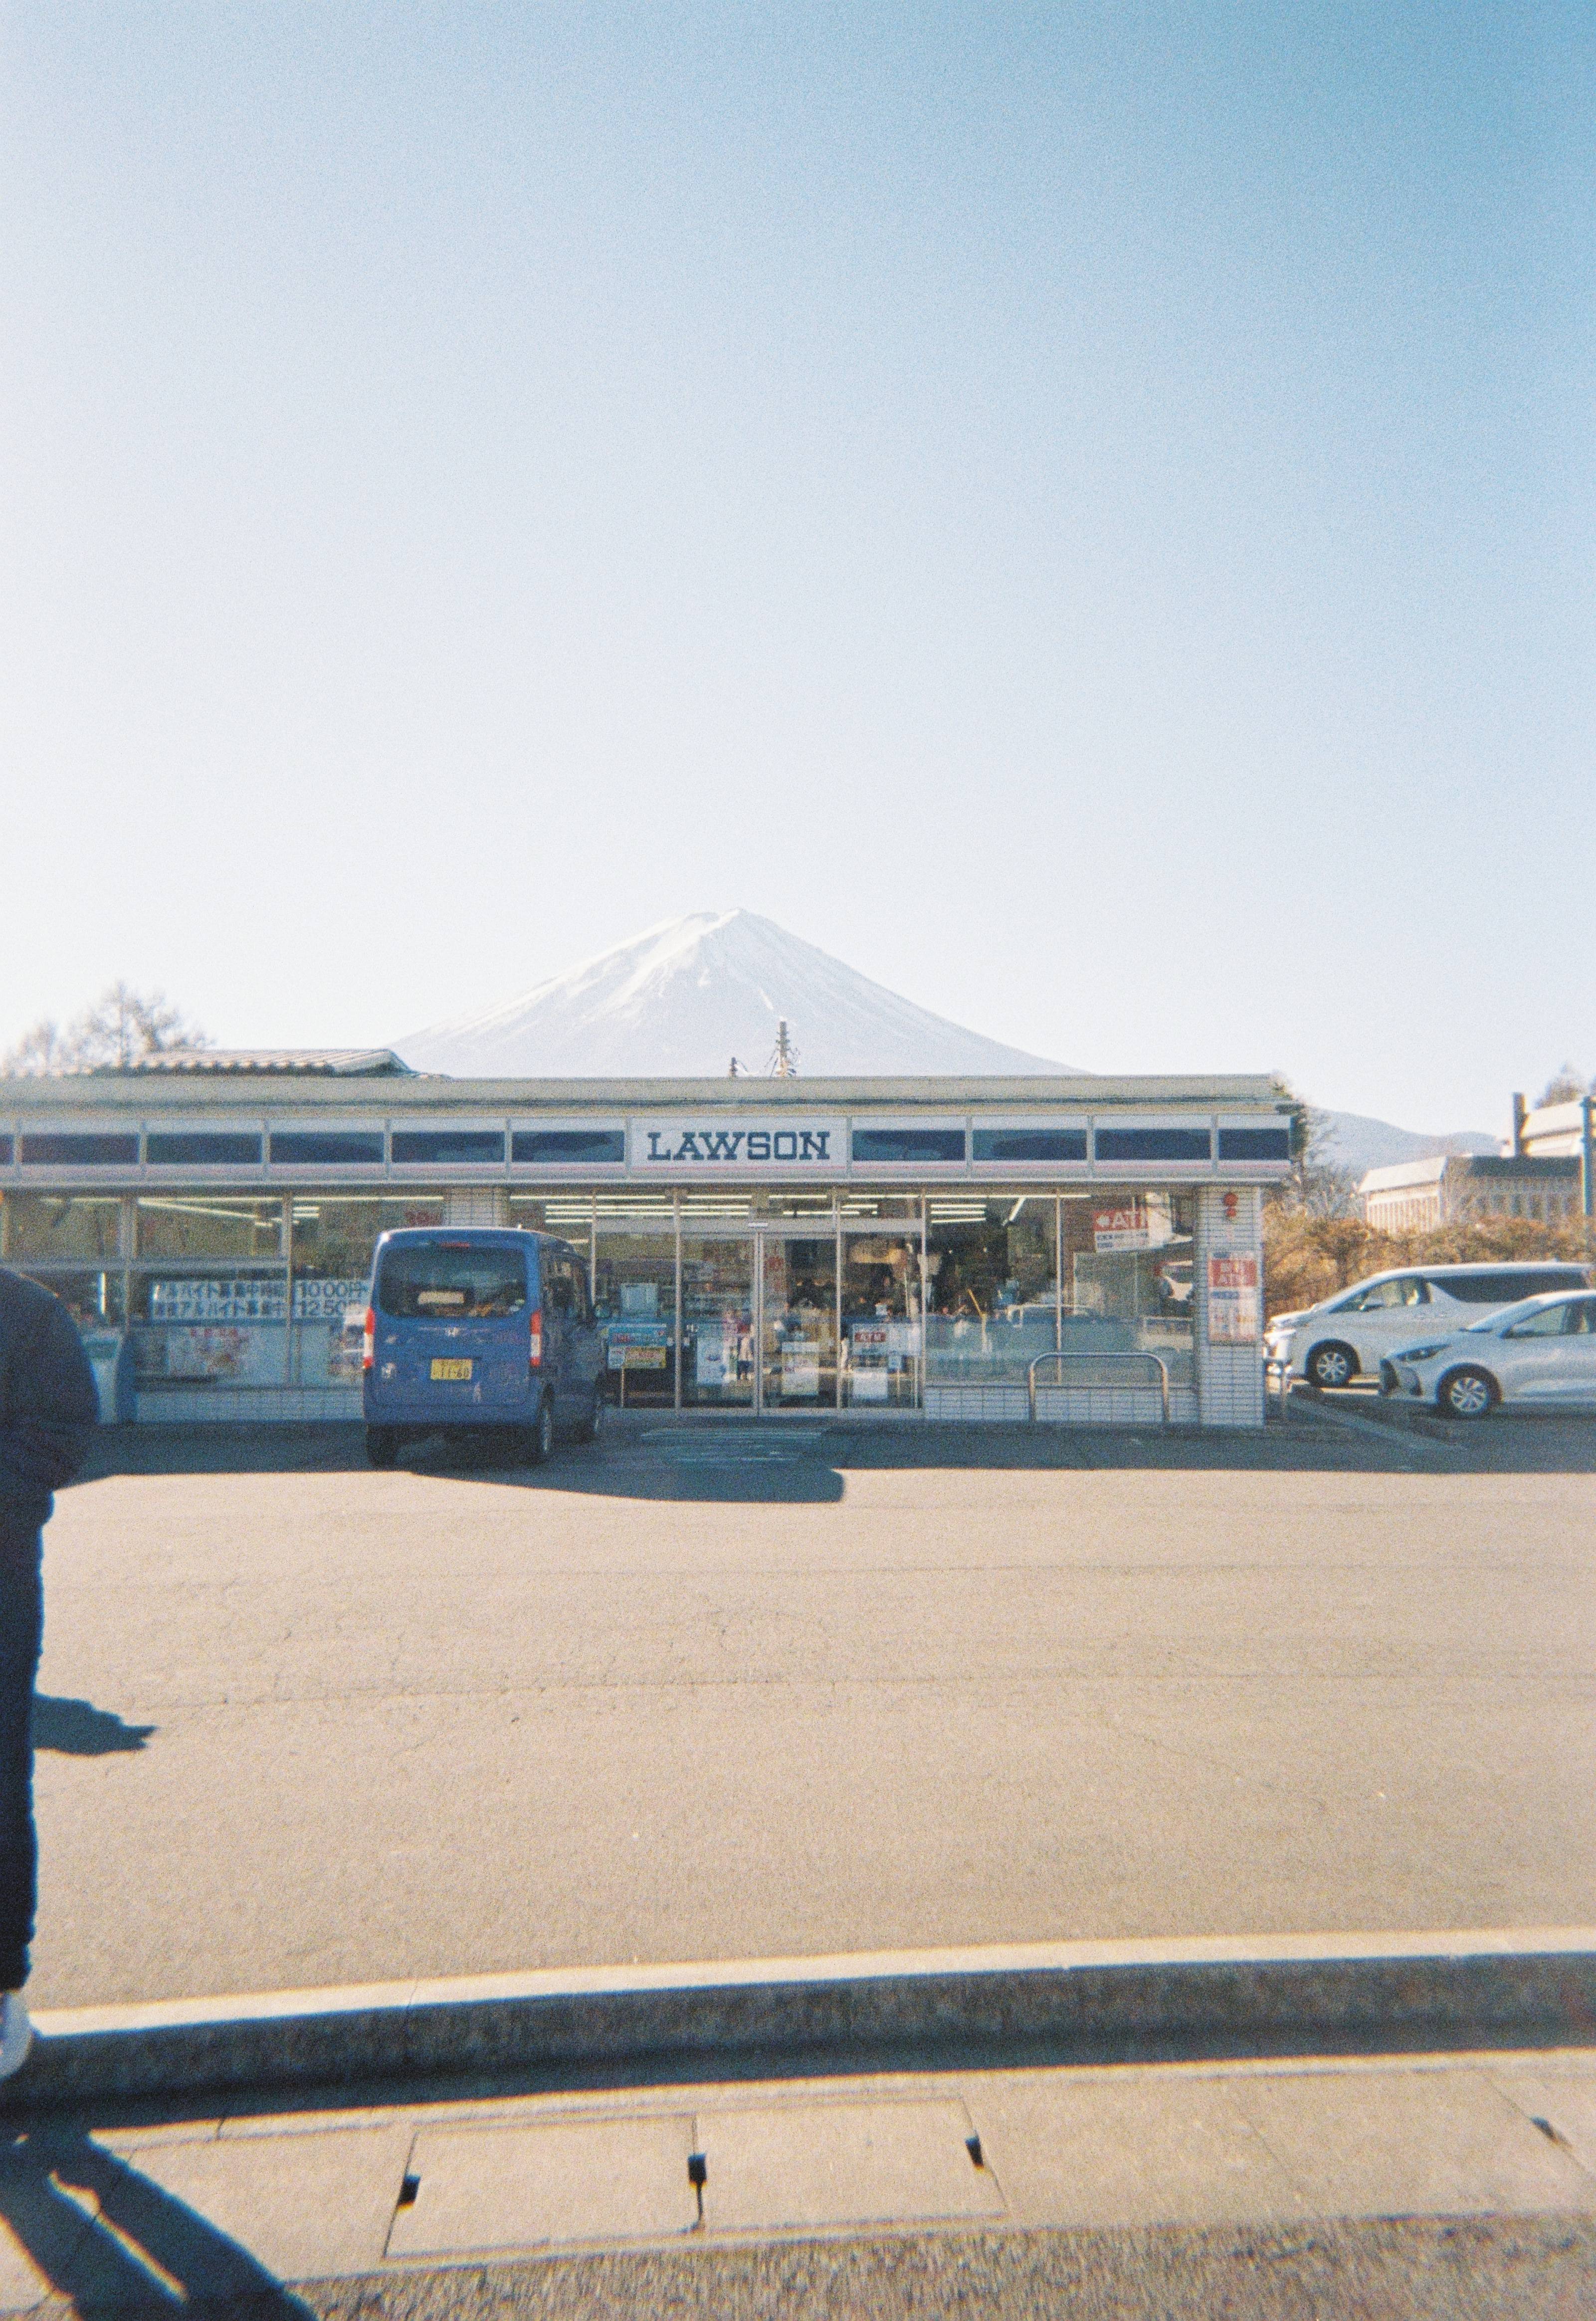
[{"x": 687, "y": 997}]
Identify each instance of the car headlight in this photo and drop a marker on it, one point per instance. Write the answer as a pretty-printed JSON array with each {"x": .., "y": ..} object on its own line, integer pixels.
[{"x": 1419, "y": 1353}]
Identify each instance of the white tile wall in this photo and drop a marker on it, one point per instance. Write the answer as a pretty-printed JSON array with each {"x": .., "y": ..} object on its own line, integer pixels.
[
  {"x": 1108, "y": 1405},
  {"x": 261, "y": 1406},
  {"x": 1230, "y": 1378}
]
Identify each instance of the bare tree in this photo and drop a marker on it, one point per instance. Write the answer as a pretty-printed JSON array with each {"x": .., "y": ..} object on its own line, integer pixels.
[
  {"x": 1319, "y": 1185},
  {"x": 40, "y": 1051},
  {"x": 122, "y": 1025},
  {"x": 1566, "y": 1087}
]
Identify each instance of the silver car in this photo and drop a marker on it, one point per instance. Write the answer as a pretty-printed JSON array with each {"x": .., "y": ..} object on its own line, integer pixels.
[{"x": 1539, "y": 1355}]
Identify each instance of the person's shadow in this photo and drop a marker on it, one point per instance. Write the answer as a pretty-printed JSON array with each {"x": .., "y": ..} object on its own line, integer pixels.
[
  {"x": 77, "y": 1728},
  {"x": 113, "y": 2243}
]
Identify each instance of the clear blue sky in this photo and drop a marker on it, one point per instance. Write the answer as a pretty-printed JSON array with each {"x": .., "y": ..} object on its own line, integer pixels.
[{"x": 1086, "y": 512}]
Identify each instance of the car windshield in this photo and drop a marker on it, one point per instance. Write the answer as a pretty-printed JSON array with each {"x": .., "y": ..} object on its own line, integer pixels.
[
  {"x": 450, "y": 1281},
  {"x": 1503, "y": 1319}
]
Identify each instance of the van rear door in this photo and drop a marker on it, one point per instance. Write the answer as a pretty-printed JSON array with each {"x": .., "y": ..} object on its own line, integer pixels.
[{"x": 462, "y": 1312}]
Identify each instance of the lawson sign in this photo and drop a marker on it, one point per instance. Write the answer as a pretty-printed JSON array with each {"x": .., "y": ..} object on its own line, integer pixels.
[{"x": 812, "y": 1146}]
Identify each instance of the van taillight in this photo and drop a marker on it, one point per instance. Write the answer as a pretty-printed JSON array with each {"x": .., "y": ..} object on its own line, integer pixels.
[
  {"x": 535, "y": 1359},
  {"x": 368, "y": 1342}
]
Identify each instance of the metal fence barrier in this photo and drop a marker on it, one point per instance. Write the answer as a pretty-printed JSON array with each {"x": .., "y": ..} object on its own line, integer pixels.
[{"x": 1098, "y": 1361}]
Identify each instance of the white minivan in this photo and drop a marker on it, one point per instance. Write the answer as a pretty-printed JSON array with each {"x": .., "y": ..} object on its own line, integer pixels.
[{"x": 1349, "y": 1335}]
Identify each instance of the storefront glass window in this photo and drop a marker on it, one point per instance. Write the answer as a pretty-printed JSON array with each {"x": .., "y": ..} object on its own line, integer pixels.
[
  {"x": 200, "y": 1225},
  {"x": 198, "y": 1330},
  {"x": 1127, "y": 1269},
  {"x": 882, "y": 1347},
  {"x": 796, "y": 1206},
  {"x": 117, "y": 1150},
  {"x": 620, "y": 1207},
  {"x": 992, "y": 1272},
  {"x": 53, "y": 1227},
  {"x": 635, "y": 1296},
  {"x": 334, "y": 1238},
  {"x": 860, "y": 1202},
  {"x": 709, "y": 1207},
  {"x": 717, "y": 1350},
  {"x": 202, "y": 1147},
  {"x": 567, "y": 1214}
]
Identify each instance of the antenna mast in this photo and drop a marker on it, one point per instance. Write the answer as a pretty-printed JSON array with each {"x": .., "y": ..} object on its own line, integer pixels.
[{"x": 784, "y": 1060}]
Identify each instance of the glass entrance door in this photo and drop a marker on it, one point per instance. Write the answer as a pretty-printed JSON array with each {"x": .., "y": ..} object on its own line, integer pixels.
[
  {"x": 798, "y": 1323},
  {"x": 759, "y": 1320}
]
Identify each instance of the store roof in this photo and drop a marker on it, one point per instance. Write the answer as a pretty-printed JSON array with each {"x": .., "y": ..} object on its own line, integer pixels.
[{"x": 337, "y": 1063}]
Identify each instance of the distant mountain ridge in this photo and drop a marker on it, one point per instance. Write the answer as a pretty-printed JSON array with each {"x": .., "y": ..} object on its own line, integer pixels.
[
  {"x": 686, "y": 997},
  {"x": 1359, "y": 1144}
]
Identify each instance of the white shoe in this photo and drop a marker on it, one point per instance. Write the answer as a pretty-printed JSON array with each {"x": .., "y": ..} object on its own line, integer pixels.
[{"x": 16, "y": 2034}]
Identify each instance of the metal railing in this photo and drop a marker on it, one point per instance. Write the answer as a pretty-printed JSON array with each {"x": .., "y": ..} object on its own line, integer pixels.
[{"x": 1097, "y": 1361}]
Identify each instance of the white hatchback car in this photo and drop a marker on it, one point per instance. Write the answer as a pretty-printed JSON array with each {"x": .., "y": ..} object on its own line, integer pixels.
[
  {"x": 1539, "y": 1355},
  {"x": 1349, "y": 1335}
]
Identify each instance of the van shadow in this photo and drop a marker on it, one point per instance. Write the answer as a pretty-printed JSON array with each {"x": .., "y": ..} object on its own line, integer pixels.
[
  {"x": 77, "y": 1728},
  {"x": 661, "y": 1455},
  {"x": 109, "y": 2241}
]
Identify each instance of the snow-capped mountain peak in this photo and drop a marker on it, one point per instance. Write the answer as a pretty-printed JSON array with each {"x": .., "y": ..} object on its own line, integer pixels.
[{"x": 686, "y": 997}]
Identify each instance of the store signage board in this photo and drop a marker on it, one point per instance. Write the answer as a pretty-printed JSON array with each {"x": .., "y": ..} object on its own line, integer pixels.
[
  {"x": 253, "y": 1299},
  {"x": 741, "y": 1145}
]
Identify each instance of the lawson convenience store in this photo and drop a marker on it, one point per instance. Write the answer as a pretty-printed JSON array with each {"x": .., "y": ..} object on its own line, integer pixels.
[{"x": 1087, "y": 1248}]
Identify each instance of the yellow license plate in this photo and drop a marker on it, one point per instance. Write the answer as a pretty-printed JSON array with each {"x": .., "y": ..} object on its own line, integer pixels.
[{"x": 445, "y": 1369}]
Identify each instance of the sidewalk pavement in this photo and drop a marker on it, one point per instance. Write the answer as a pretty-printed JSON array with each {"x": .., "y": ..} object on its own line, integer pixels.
[{"x": 1459, "y": 2184}]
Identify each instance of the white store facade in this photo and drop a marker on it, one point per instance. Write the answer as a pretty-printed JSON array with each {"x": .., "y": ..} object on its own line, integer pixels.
[{"x": 1090, "y": 1249}]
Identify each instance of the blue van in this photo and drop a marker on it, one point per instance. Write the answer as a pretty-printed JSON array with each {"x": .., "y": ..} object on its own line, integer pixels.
[{"x": 471, "y": 1328}]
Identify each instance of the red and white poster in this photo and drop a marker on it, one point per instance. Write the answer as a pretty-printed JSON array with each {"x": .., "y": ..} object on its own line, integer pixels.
[
  {"x": 1124, "y": 1227},
  {"x": 1232, "y": 1300}
]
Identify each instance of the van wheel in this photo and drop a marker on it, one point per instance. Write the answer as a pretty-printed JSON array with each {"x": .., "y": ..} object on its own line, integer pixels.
[
  {"x": 588, "y": 1432},
  {"x": 1467, "y": 1394},
  {"x": 539, "y": 1435},
  {"x": 1329, "y": 1366},
  {"x": 382, "y": 1445}
]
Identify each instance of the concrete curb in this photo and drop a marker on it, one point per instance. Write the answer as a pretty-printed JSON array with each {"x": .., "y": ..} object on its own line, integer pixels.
[
  {"x": 1530, "y": 1987},
  {"x": 1375, "y": 1415}
]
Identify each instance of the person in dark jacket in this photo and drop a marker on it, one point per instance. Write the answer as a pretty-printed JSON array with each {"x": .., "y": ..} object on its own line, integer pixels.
[{"x": 48, "y": 1407}]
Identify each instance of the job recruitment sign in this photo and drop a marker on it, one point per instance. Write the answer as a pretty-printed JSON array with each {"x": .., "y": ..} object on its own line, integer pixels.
[{"x": 719, "y": 1143}]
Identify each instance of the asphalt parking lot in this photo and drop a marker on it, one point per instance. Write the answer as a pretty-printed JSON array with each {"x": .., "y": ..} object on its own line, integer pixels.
[{"x": 708, "y": 1692}]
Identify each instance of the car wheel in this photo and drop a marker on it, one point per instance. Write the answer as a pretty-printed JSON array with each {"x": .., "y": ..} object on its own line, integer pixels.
[
  {"x": 1467, "y": 1394},
  {"x": 1329, "y": 1366},
  {"x": 588, "y": 1432},
  {"x": 382, "y": 1445},
  {"x": 540, "y": 1433}
]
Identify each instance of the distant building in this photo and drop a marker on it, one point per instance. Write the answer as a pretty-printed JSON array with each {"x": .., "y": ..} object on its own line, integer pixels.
[
  {"x": 1555, "y": 1129},
  {"x": 1455, "y": 1187}
]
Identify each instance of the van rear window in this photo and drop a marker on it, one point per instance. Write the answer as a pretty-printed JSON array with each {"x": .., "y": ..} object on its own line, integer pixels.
[
  {"x": 429, "y": 1281},
  {"x": 1508, "y": 1288}
]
